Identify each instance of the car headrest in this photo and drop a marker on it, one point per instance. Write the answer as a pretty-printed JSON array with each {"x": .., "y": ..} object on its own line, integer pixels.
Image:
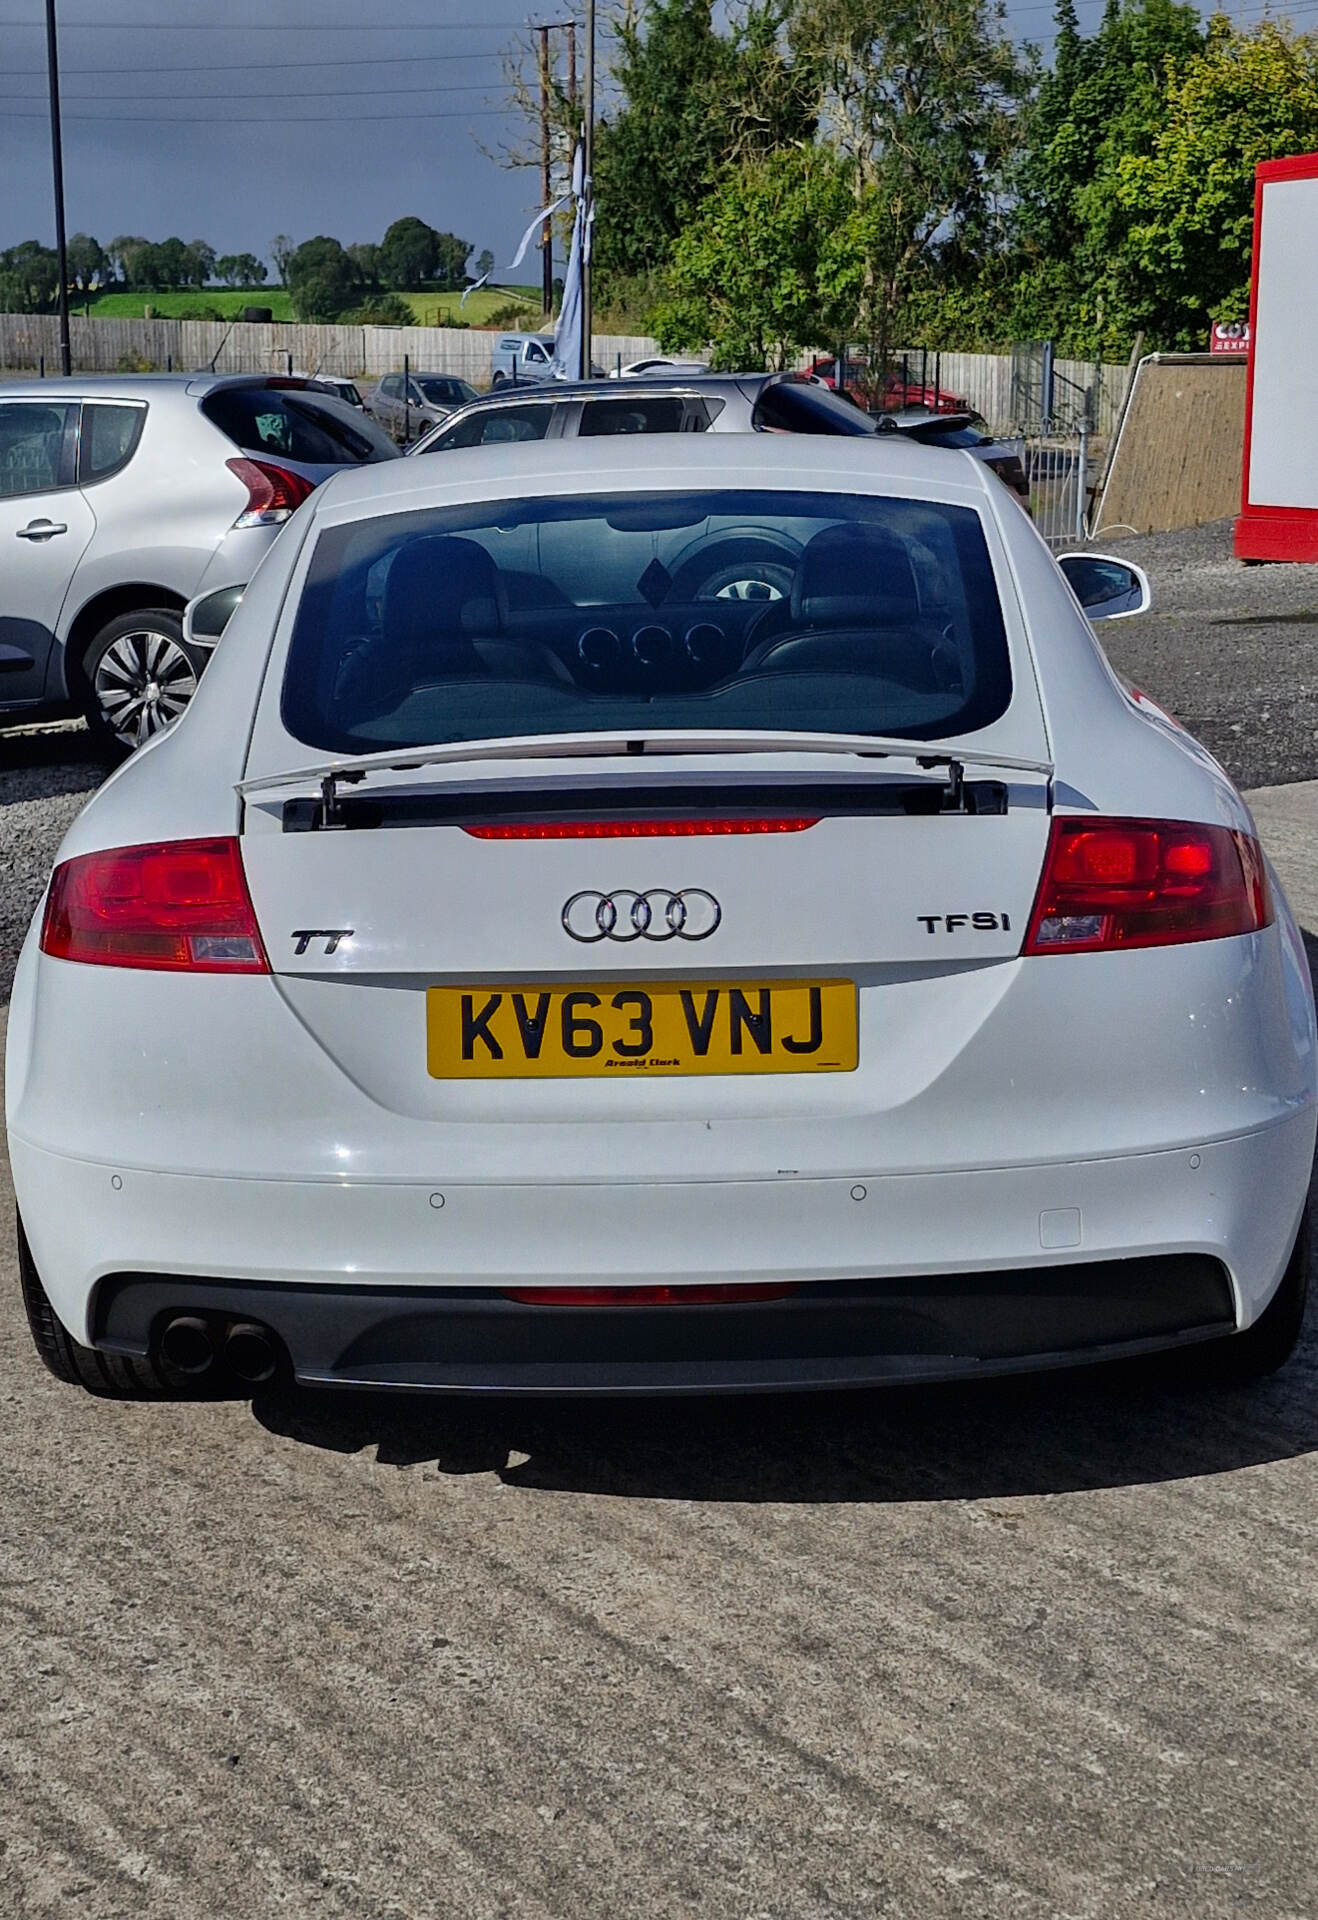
[
  {"x": 851, "y": 576},
  {"x": 441, "y": 590}
]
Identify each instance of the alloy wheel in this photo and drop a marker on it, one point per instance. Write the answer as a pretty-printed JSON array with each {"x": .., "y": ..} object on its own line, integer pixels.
[{"x": 142, "y": 682}]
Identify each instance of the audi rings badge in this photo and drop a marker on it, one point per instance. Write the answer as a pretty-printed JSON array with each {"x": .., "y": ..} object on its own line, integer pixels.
[{"x": 625, "y": 914}]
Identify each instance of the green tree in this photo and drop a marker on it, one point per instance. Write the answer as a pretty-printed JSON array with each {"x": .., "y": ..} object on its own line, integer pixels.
[
  {"x": 763, "y": 271},
  {"x": 240, "y": 270},
  {"x": 365, "y": 256},
  {"x": 484, "y": 263},
  {"x": 451, "y": 265},
  {"x": 695, "y": 102},
  {"x": 1103, "y": 101},
  {"x": 281, "y": 252},
  {"x": 172, "y": 264},
  {"x": 380, "y": 310},
  {"x": 321, "y": 278},
  {"x": 199, "y": 263},
  {"x": 119, "y": 253},
  {"x": 409, "y": 253},
  {"x": 1189, "y": 201},
  {"x": 923, "y": 101},
  {"x": 87, "y": 264},
  {"x": 136, "y": 259},
  {"x": 29, "y": 277}
]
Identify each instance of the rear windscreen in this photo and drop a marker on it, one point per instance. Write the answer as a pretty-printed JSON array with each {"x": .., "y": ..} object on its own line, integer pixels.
[
  {"x": 779, "y": 610},
  {"x": 795, "y": 406},
  {"x": 275, "y": 420}
]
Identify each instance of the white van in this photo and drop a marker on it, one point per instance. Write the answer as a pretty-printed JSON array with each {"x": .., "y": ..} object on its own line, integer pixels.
[{"x": 522, "y": 358}]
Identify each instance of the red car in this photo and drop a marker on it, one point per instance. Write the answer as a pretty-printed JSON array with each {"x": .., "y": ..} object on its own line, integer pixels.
[{"x": 859, "y": 384}]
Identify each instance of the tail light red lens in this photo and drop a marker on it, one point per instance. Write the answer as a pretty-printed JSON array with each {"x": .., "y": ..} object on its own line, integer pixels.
[
  {"x": 719, "y": 1295},
  {"x": 273, "y": 493},
  {"x": 632, "y": 829},
  {"x": 1146, "y": 883},
  {"x": 181, "y": 906}
]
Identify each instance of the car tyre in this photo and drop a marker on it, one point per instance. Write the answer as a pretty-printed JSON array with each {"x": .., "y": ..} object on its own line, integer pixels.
[
  {"x": 498, "y": 380},
  {"x": 1273, "y": 1337},
  {"x": 111, "y": 1376},
  {"x": 139, "y": 674},
  {"x": 737, "y": 570}
]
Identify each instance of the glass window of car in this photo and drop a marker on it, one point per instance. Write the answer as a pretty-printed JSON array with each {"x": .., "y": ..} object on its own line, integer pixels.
[
  {"x": 280, "y": 421},
  {"x": 794, "y": 406},
  {"x": 496, "y": 427},
  {"x": 108, "y": 439},
  {"x": 447, "y": 392},
  {"x": 35, "y": 446},
  {"x": 391, "y": 386},
  {"x": 650, "y": 413},
  {"x": 534, "y": 351},
  {"x": 581, "y": 614}
]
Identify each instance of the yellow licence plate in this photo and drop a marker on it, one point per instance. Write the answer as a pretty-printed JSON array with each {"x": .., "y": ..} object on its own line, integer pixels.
[{"x": 621, "y": 1027}]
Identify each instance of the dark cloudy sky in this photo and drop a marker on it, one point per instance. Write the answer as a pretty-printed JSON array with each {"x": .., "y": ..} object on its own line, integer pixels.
[{"x": 233, "y": 120}]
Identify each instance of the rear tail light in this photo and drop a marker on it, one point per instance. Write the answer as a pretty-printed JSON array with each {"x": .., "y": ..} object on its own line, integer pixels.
[
  {"x": 181, "y": 906},
  {"x": 632, "y": 829},
  {"x": 273, "y": 493},
  {"x": 1146, "y": 883}
]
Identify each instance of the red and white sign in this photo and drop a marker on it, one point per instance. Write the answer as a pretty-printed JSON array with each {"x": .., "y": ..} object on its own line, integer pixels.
[
  {"x": 1229, "y": 336},
  {"x": 1279, "y": 492}
]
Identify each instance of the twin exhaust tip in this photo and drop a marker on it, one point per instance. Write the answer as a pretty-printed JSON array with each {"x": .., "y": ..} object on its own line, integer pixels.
[{"x": 193, "y": 1346}]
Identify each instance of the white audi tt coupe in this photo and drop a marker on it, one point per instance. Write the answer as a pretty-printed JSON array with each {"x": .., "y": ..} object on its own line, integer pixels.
[{"x": 695, "y": 914}]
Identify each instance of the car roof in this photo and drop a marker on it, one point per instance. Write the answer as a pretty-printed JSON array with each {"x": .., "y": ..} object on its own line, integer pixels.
[
  {"x": 143, "y": 386},
  {"x": 672, "y": 381},
  {"x": 662, "y": 462}
]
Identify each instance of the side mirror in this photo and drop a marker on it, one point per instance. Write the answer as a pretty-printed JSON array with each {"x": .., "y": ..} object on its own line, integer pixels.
[
  {"x": 206, "y": 617},
  {"x": 1107, "y": 589}
]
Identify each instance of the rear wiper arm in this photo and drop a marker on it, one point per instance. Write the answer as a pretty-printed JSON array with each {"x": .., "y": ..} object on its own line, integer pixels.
[{"x": 328, "y": 775}]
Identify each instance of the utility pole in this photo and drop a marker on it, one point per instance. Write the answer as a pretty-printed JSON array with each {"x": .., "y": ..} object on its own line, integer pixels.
[
  {"x": 57, "y": 161},
  {"x": 588, "y": 193},
  {"x": 572, "y": 65},
  {"x": 547, "y": 230}
]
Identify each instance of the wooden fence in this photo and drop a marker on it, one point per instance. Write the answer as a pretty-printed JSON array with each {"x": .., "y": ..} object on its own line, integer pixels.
[
  {"x": 29, "y": 342},
  {"x": 1177, "y": 462}
]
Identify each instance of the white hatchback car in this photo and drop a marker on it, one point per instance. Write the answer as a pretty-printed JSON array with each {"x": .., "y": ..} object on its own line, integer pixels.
[{"x": 525, "y": 967}]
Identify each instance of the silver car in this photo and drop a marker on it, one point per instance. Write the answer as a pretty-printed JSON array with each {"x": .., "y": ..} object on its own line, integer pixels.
[
  {"x": 650, "y": 403},
  {"x": 409, "y": 407},
  {"x": 120, "y": 499}
]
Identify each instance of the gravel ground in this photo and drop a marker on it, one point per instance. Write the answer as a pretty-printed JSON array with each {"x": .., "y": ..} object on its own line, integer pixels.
[
  {"x": 1231, "y": 650},
  {"x": 46, "y": 775}
]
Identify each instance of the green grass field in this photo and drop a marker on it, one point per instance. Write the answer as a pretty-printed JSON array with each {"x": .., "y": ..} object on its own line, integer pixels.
[
  {"x": 435, "y": 309},
  {"x": 131, "y": 306},
  {"x": 431, "y": 309}
]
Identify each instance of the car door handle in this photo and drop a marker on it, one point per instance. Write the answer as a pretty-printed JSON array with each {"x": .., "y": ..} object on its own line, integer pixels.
[{"x": 41, "y": 530}]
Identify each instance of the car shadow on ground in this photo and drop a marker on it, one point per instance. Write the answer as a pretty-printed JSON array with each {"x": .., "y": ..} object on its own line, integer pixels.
[
  {"x": 64, "y": 754},
  {"x": 1041, "y": 1434}
]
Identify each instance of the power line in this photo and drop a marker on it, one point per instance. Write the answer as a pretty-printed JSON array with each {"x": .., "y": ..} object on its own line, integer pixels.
[
  {"x": 268, "y": 119},
  {"x": 310, "y": 93},
  {"x": 259, "y": 66},
  {"x": 266, "y": 26}
]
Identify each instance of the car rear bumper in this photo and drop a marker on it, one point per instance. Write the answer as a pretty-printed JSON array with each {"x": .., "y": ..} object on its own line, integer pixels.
[
  {"x": 844, "y": 1333},
  {"x": 1017, "y": 1241}
]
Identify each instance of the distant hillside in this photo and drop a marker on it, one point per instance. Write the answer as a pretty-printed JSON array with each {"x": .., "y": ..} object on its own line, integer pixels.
[{"x": 431, "y": 309}]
